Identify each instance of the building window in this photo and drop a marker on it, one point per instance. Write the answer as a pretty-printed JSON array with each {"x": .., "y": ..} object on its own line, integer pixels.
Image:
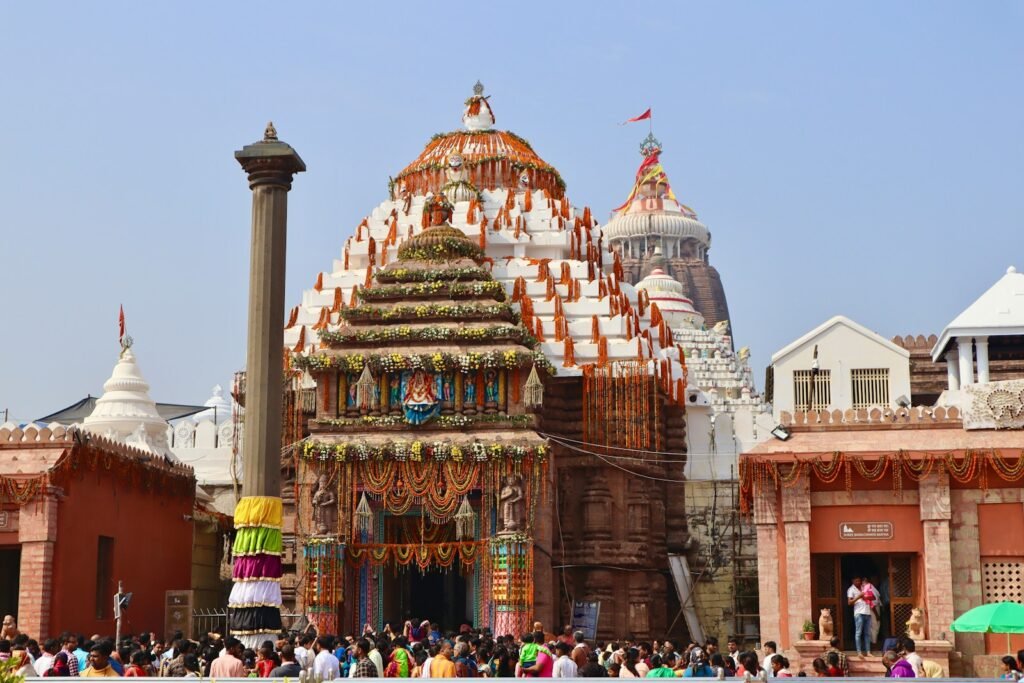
[
  {"x": 812, "y": 397},
  {"x": 1002, "y": 579},
  {"x": 104, "y": 576},
  {"x": 870, "y": 387}
]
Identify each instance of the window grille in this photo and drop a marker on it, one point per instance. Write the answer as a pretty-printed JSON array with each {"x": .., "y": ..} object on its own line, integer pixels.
[
  {"x": 1003, "y": 579},
  {"x": 870, "y": 387},
  {"x": 807, "y": 397}
]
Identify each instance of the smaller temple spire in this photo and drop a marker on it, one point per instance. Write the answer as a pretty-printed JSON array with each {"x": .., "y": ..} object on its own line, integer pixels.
[{"x": 270, "y": 133}]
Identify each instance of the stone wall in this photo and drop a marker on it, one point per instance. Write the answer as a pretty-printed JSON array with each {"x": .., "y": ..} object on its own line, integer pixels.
[
  {"x": 613, "y": 529},
  {"x": 966, "y": 555},
  {"x": 713, "y": 518}
]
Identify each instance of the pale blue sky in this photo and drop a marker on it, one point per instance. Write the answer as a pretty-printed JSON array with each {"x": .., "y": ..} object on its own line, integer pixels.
[{"x": 858, "y": 158}]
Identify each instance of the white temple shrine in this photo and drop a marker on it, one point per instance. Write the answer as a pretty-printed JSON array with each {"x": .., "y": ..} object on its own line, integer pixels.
[{"x": 126, "y": 413}]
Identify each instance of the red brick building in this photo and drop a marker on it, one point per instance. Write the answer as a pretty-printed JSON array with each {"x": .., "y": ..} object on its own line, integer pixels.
[{"x": 78, "y": 513}]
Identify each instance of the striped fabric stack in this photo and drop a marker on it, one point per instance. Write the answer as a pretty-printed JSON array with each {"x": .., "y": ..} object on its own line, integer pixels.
[{"x": 254, "y": 608}]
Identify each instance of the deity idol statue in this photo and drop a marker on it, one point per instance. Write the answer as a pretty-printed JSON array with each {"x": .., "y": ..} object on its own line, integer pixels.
[
  {"x": 325, "y": 507},
  {"x": 420, "y": 398},
  {"x": 351, "y": 401},
  {"x": 469, "y": 394},
  {"x": 446, "y": 381},
  {"x": 510, "y": 499},
  {"x": 395, "y": 392},
  {"x": 458, "y": 188},
  {"x": 491, "y": 390}
]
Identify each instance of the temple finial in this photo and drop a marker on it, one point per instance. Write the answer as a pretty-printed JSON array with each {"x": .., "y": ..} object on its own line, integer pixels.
[
  {"x": 478, "y": 88},
  {"x": 270, "y": 133}
]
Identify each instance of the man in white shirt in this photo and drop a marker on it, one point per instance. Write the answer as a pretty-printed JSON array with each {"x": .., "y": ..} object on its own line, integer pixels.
[
  {"x": 770, "y": 649},
  {"x": 910, "y": 654},
  {"x": 302, "y": 654},
  {"x": 45, "y": 661},
  {"x": 325, "y": 664},
  {"x": 564, "y": 666},
  {"x": 861, "y": 598}
]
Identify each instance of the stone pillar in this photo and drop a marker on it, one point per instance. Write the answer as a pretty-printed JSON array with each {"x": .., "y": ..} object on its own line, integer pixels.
[
  {"x": 270, "y": 165},
  {"x": 37, "y": 534},
  {"x": 964, "y": 347},
  {"x": 981, "y": 349},
  {"x": 766, "y": 521},
  {"x": 938, "y": 563},
  {"x": 796, "y": 519},
  {"x": 952, "y": 371},
  {"x": 259, "y": 515}
]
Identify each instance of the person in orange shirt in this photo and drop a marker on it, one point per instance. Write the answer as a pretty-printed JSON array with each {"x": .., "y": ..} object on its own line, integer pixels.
[
  {"x": 442, "y": 665},
  {"x": 99, "y": 664}
]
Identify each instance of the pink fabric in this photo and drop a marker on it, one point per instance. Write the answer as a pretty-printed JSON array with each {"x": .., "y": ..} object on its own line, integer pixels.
[{"x": 257, "y": 567}]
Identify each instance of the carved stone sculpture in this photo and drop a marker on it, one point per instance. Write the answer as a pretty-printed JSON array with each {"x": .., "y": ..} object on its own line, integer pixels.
[
  {"x": 915, "y": 627},
  {"x": 325, "y": 507},
  {"x": 826, "y": 628},
  {"x": 510, "y": 500}
]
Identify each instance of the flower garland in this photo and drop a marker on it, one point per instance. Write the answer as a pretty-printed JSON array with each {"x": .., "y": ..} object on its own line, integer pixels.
[
  {"x": 501, "y": 311},
  {"x": 491, "y": 288},
  {"x": 404, "y": 333},
  {"x": 424, "y": 555},
  {"x": 420, "y": 451},
  {"x": 431, "y": 362},
  {"x": 426, "y": 275},
  {"x": 440, "y": 422},
  {"x": 444, "y": 249},
  {"x": 963, "y": 466}
]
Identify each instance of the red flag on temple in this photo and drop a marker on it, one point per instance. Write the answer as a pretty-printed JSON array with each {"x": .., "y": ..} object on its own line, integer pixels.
[
  {"x": 643, "y": 117},
  {"x": 120, "y": 321}
]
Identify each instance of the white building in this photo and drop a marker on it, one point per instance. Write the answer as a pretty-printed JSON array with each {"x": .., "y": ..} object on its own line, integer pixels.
[
  {"x": 990, "y": 327},
  {"x": 209, "y": 443},
  {"x": 839, "y": 365}
]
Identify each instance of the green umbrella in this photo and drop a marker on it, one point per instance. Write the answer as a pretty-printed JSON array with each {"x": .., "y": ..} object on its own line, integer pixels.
[{"x": 998, "y": 617}]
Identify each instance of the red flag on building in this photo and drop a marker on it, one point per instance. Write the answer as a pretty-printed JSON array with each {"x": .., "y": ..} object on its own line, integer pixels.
[
  {"x": 120, "y": 321},
  {"x": 643, "y": 117}
]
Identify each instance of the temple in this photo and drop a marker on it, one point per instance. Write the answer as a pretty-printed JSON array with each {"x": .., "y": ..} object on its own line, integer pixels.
[
  {"x": 652, "y": 222},
  {"x": 444, "y": 442}
]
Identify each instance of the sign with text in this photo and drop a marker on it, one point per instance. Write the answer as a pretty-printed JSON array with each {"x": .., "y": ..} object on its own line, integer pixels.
[
  {"x": 865, "y": 531},
  {"x": 8, "y": 520},
  {"x": 584, "y": 618}
]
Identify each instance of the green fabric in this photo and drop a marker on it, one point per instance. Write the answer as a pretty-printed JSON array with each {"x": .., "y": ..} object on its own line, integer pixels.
[
  {"x": 661, "y": 672},
  {"x": 1000, "y": 617},
  {"x": 258, "y": 539}
]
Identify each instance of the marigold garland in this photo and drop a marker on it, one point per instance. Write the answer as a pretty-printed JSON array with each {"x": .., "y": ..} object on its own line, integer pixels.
[{"x": 963, "y": 466}]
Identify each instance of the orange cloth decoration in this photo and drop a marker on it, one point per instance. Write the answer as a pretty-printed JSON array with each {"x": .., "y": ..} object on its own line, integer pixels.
[
  {"x": 319, "y": 281},
  {"x": 301, "y": 343}
]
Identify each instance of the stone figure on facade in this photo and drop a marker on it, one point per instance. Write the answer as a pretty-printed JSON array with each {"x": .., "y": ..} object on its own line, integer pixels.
[
  {"x": 915, "y": 626},
  {"x": 826, "y": 627},
  {"x": 510, "y": 500},
  {"x": 325, "y": 507}
]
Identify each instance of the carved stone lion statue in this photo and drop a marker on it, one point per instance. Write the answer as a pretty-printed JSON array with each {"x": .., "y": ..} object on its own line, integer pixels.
[{"x": 826, "y": 628}]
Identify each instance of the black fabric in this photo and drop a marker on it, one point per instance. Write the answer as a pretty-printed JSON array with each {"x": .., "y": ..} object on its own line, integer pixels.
[{"x": 254, "y": 619}]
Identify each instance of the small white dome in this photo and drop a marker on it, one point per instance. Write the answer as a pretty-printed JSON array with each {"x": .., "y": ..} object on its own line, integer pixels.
[
  {"x": 126, "y": 413},
  {"x": 667, "y": 292}
]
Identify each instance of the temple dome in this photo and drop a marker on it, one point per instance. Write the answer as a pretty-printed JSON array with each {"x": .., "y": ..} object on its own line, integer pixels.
[
  {"x": 663, "y": 221},
  {"x": 668, "y": 293},
  {"x": 218, "y": 408},
  {"x": 126, "y": 412},
  {"x": 487, "y": 158}
]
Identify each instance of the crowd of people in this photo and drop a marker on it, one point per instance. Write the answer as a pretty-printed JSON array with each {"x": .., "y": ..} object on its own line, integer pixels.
[{"x": 423, "y": 651}]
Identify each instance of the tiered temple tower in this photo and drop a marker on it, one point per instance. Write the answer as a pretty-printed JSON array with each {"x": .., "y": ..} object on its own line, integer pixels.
[
  {"x": 617, "y": 389},
  {"x": 424, "y": 445},
  {"x": 653, "y": 220}
]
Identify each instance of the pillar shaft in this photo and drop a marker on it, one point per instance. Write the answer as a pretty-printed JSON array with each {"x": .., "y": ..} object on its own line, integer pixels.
[
  {"x": 270, "y": 165},
  {"x": 952, "y": 371},
  {"x": 981, "y": 349},
  {"x": 964, "y": 347},
  {"x": 936, "y": 512}
]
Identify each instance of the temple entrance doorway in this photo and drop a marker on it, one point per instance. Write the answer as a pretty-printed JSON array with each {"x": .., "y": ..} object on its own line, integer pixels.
[
  {"x": 440, "y": 596},
  {"x": 894, "y": 575},
  {"x": 10, "y": 571}
]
